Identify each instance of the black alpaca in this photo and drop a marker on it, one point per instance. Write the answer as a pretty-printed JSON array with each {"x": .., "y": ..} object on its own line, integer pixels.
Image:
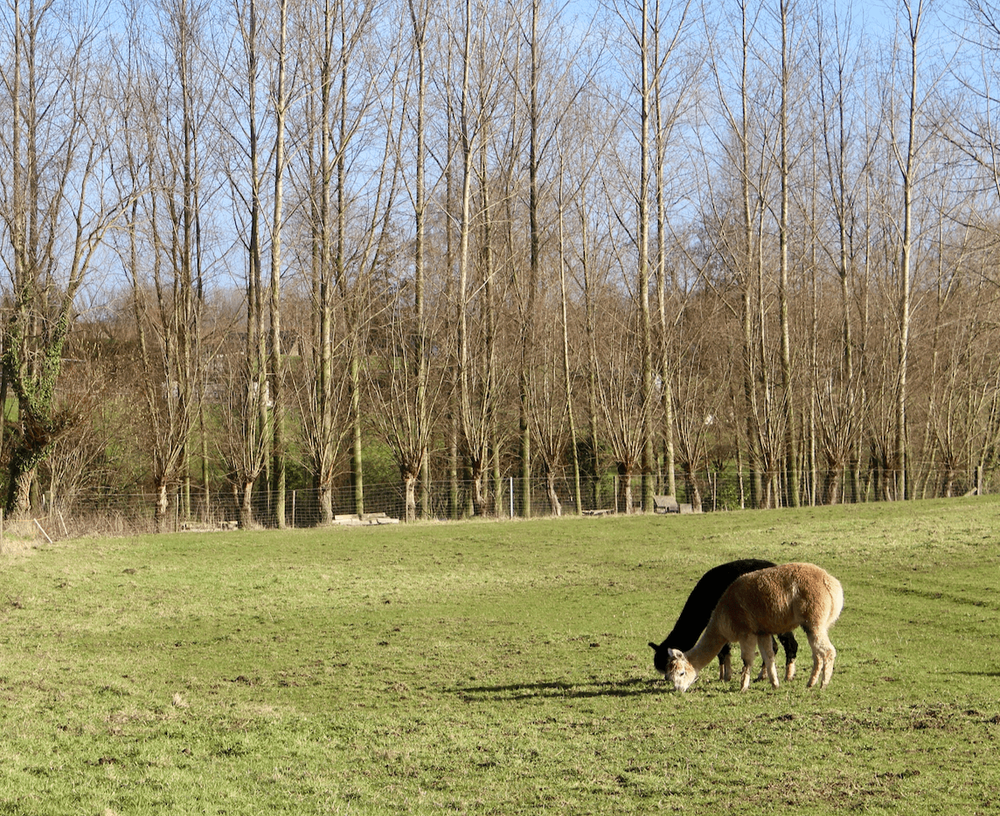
[{"x": 698, "y": 609}]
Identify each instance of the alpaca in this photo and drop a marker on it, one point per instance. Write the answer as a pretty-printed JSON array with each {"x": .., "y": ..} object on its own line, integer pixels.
[
  {"x": 761, "y": 604},
  {"x": 698, "y": 609}
]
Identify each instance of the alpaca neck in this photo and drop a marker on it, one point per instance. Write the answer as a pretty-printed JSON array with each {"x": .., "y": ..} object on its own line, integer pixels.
[{"x": 705, "y": 650}]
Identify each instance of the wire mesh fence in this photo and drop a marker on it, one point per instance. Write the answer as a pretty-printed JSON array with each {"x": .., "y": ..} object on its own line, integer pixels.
[{"x": 499, "y": 497}]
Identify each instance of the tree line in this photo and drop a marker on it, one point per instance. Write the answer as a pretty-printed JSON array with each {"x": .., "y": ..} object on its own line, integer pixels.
[{"x": 260, "y": 245}]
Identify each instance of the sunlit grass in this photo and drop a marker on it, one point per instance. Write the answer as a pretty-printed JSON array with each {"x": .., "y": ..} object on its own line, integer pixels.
[{"x": 493, "y": 668}]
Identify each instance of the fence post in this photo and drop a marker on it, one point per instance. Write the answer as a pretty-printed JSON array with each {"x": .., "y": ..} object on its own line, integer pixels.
[{"x": 511, "y": 489}]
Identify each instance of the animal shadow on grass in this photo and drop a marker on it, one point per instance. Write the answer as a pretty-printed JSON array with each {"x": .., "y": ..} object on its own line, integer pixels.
[{"x": 560, "y": 688}]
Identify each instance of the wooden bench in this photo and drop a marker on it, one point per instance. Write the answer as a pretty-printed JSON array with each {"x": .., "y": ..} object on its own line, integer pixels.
[
  {"x": 669, "y": 504},
  {"x": 665, "y": 504}
]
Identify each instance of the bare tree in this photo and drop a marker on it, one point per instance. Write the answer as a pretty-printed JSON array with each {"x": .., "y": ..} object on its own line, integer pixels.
[
  {"x": 956, "y": 396},
  {"x": 846, "y": 153},
  {"x": 55, "y": 211},
  {"x": 549, "y": 410},
  {"x": 281, "y": 102},
  {"x": 589, "y": 260},
  {"x": 398, "y": 399},
  {"x": 549, "y": 92},
  {"x": 253, "y": 414},
  {"x": 635, "y": 18},
  {"x": 346, "y": 180},
  {"x": 474, "y": 90},
  {"x": 166, "y": 107},
  {"x": 905, "y": 151},
  {"x": 626, "y": 408},
  {"x": 785, "y": 13},
  {"x": 652, "y": 34},
  {"x": 907, "y": 143},
  {"x": 419, "y": 18},
  {"x": 703, "y": 381},
  {"x": 474, "y": 442},
  {"x": 975, "y": 127},
  {"x": 674, "y": 86},
  {"x": 322, "y": 401},
  {"x": 734, "y": 214}
]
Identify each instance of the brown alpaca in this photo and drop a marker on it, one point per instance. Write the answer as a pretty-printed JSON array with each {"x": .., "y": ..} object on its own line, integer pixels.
[{"x": 758, "y": 605}]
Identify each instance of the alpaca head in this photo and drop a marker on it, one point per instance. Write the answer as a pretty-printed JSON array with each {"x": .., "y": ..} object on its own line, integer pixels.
[
  {"x": 679, "y": 671},
  {"x": 660, "y": 657}
]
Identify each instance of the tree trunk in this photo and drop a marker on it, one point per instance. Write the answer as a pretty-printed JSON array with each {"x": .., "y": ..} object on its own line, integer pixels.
[
  {"x": 357, "y": 463},
  {"x": 791, "y": 443},
  {"x": 246, "y": 505},
  {"x": 162, "y": 507},
  {"x": 623, "y": 501},
  {"x": 642, "y": 285},
  {"x": 22, "y": 475},
  {"x": 410, "y": 495},
  {"x": 422, "y": 418},
  {"x": 276, "y": 364},
  {"x": 550, "y": 486},
  {"x": 324, "y": 497},
  {"x": 567, "y": 373}
]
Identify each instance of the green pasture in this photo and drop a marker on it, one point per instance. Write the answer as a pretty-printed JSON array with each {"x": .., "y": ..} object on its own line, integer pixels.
[{"x": 495, "y": 668}]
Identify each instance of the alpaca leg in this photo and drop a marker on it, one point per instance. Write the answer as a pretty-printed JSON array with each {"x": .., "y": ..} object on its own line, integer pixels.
[
  {"x": 725, "y": 668},
  {"x": 748, "y": 651},
  {"x": 817, "y": 659},
  {"x": 766, "y": 644},
  {"x": 791, "y": 647},
  {"x": 828, "y": 655},
  {"x": 831, "y": 656},
  {"x": 725, "y": 664},
  {"x": 762, "y": 675},
  {"x": 823, "y": 657}
]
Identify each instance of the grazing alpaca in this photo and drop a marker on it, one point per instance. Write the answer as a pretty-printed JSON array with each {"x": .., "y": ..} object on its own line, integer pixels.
[
  {"x": 761, "y": 604},
  {"x": 698, "y": 609}
]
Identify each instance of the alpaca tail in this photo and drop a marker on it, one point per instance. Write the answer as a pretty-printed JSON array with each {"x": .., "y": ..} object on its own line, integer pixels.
[{"x": 836, "y": 597}]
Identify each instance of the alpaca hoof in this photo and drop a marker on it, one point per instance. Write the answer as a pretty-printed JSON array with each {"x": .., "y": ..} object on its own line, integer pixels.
[{"x": 790, "y": 671}]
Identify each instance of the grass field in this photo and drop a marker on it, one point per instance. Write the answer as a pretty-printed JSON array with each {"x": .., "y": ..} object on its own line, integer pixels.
[{"x": 494, "y": 668}]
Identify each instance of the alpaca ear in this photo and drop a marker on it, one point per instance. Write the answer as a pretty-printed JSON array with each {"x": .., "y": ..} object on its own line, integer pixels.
[
  {"x": 652, "y": 646},
  {"x": 674, "y": 654}
]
